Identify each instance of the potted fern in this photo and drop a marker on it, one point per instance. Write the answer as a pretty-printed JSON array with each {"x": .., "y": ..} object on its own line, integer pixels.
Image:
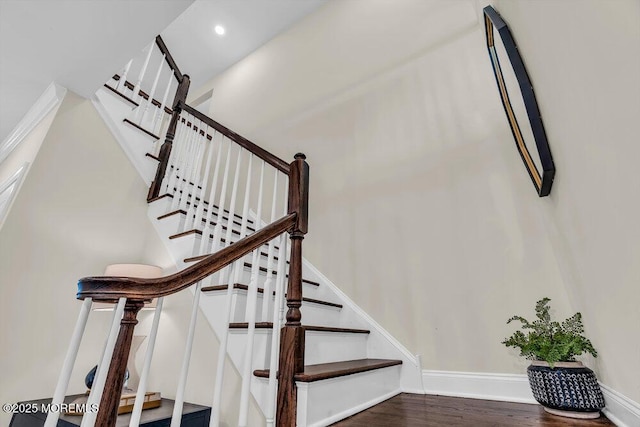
[{"x": 562, "y": 385}]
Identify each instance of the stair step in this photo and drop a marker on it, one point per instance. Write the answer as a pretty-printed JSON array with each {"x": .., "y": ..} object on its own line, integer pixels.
[
  {"x": 250, "y": 221},
  {"x": 122, "y": 95},
  {"x": 160, "y": 197},
  {"x": 264, "y": 270},
  {"x": 142, "y": 93},
  {"x": 183, "y": 212},
  {"x": 151, "y": 156},
  {"x": 201, "y": 257},
  {"x": 199, "y": 233},
  {"x": 246, "y": 264},
  {"x": 240, "y": 286},
  {"x": 135, "y": 125},
  {"x": 325, "y": 371},
  {"x": 269, "y": 325}
]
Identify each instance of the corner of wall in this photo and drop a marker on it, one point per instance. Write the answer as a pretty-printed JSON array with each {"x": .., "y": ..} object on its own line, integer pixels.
[{"x": 50, "y": 99}]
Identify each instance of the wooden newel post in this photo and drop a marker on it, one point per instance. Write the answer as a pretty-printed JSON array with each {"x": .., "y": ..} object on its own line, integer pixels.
[
  {"x": 292, "y": 335},
  {"x": 108, "y": 409},
  {"x": 165, "y": 150}
]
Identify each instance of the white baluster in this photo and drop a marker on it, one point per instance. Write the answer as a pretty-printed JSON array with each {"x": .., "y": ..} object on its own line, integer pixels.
[
  {"x": 100, "y": 378},
  {"x": 245, "y": 214},
  {"x": 143, "y": 70},
  {"x": 226, "y": 276},
  {"x": 69, "y": 361},
  {"x": 142, "y": 113},
  {"x": 142, "y": 385},
  {"x": 217, "y": 231},
  {"x": 198, "y": 217},
  {"x": 176, "y": 418},
  {"x": 121, "y": 86},
  {"x": 212, "y": 195},
  {"x": 277, "y": 317},
  {"x": 250, "y": 315},
  {"x": 222, "y": 354},
  {"x": 190, "y": 171},
  {"x": 232, "y": 211},
  {"x": 201, "y": 145},
  {"x": 266, "y": 302},
  {"x": 180, "y": 196},
  {"x": 232, "y": 204},
  {"x": 175, "y": 158},
  {"x": 158, "y": 117}
]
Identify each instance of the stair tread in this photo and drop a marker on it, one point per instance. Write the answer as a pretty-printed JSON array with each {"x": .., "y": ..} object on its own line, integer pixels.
[
  {"x": 269, "y": 325},
  {"x": 199, "y": 233},
  {"x": 261, "y": 290},
  {"x": 160, "y": 197},
  {"x": 197, "y": 198},
  {"x": 152, "y": 157},
  {"x": 246, "y": 264},
  {"x": 201, "y": 257},
  {"x": 137, "y": 126},
  {"x": 183, "y": 212},
  {"x": 141, "y": 93},
  {"x": 122, "y": 95},
  {"x": 324, "y": 371}
]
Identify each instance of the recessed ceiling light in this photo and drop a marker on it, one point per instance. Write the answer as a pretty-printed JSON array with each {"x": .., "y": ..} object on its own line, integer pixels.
[{"x": 219, "y": 29}]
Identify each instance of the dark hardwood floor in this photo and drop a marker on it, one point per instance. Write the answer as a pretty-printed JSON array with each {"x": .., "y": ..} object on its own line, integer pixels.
[{"x": 416, "y": 410}]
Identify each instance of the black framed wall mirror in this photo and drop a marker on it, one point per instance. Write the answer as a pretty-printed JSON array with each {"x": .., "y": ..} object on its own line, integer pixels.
[{"x": 519, "y": 102}]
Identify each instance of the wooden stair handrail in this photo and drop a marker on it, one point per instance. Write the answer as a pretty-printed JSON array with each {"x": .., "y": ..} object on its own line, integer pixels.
[
  {"x": 172, "y": 64},
  {"x": 112, "y": 288},
  {"x": 272, "y": 159}
]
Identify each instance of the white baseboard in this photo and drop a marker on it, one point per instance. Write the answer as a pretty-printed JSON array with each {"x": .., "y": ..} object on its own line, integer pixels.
[
  {"x": 50, "y": 98},
  {"x": 621, "y": 410},
  {"x": 503, "y": 387},
  {"x": 352, "y": 411}
]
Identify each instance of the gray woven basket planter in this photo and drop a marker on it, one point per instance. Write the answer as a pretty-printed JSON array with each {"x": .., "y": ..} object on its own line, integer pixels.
[{"x": 569, "y": 389}]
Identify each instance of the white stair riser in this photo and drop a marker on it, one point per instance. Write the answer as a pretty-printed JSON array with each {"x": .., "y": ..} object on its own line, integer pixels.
[
  {"x": 327, "y": 347},
  {"x": 158, "y": 208},
  {"x": 322, "y": 403},
  {"x": 175, "y": 224},
  {"x": 312, "y": 313},
  {"x": 190, "y": 244},
  {"x": 320, "y": 347}
]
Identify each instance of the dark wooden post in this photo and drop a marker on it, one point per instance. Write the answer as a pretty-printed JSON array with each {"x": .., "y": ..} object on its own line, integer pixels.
[
  {"x": 165, "y": 151},
  {"x": 108, "y": 409},
  {"x": 292, "y": 335}
]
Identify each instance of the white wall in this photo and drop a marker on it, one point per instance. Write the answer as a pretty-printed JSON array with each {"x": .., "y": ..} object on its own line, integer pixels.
[
  {"x": 421, "y": 210},
  {"x": 583, "y": 60},
  {"x": 82, "y": 207},
  {"x": 74, "y": 215}
]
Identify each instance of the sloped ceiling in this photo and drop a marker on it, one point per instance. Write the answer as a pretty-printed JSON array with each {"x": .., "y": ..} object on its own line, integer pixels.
[
  {"x": 79, "y": 44},
  {"x": 75, "y": 43},
  {"x": 248, "y": 23}
]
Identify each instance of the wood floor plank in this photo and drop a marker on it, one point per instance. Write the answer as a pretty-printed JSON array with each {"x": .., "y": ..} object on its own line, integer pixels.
[{"x": 416, "y": 410}]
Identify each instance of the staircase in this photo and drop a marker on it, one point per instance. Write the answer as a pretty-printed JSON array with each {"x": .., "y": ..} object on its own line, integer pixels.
[{"x": 233, "y": 216}]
